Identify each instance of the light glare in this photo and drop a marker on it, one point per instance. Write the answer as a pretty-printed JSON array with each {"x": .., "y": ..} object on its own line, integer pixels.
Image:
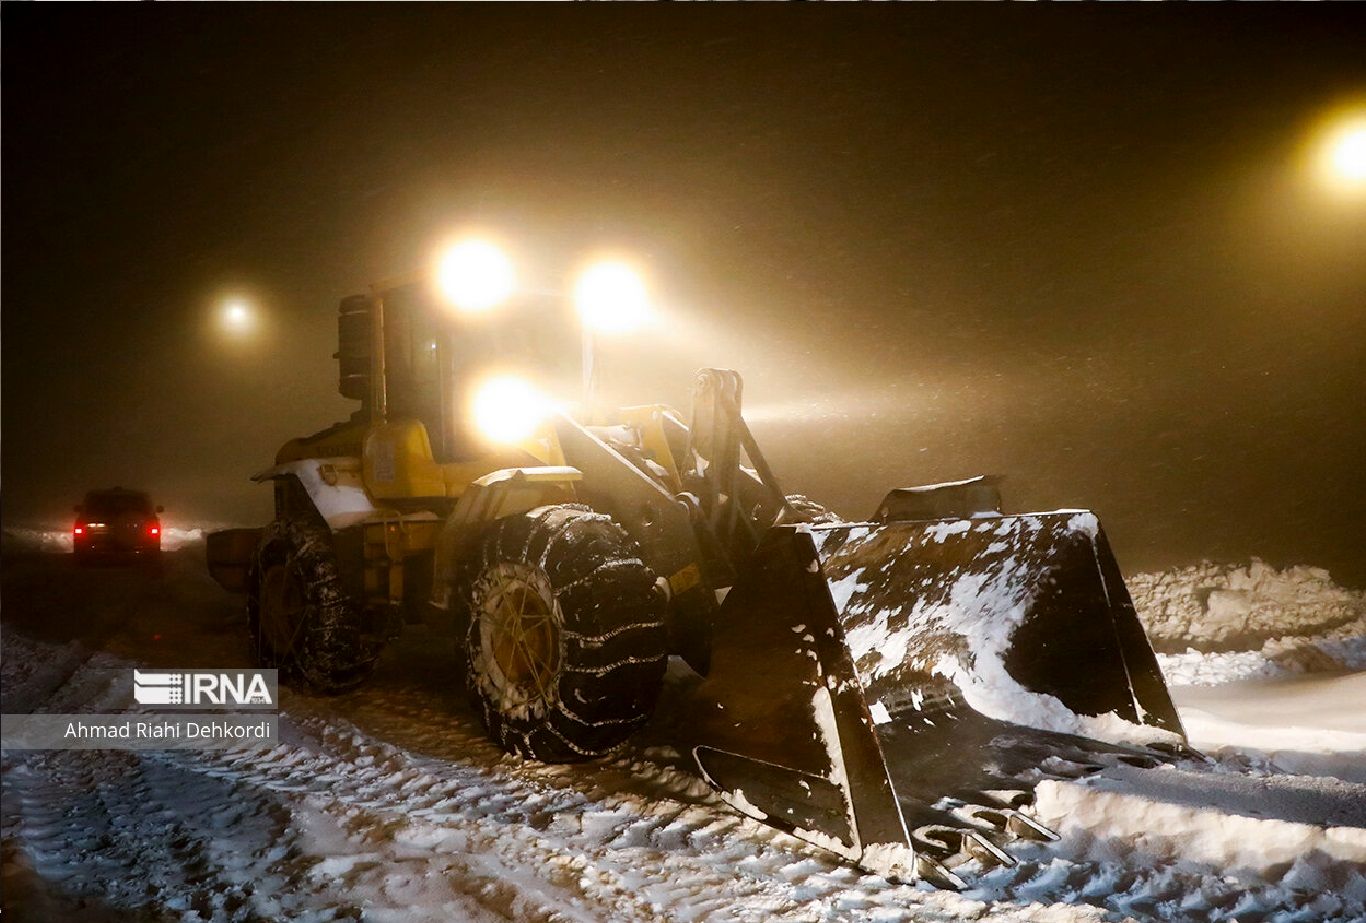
[
  {"x": 237, "y": 318},
  {"x": 508, "y": 409},
  {"x": 611, "y": 297},
  {"x": 475, "y": 276},
  {"x": 1349, "y": 154},
  {"x": 1342, "y": 154}
]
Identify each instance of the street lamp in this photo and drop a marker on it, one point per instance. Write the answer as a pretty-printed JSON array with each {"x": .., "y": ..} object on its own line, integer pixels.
[
  {"x": 236, "y": 317},
  {"x": 1342, "y": 152}
]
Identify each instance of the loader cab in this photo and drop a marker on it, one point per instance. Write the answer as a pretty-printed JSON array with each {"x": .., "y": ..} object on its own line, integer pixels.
[{"x": 433, "y": 357}]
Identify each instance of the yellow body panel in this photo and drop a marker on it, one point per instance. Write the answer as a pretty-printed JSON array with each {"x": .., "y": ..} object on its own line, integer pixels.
[
  {"x": 398, "y": 462},
  {"x": 387, "y": 544},
  {"x": 341, "y": 441},
  {"x": 648, "y": 420}
]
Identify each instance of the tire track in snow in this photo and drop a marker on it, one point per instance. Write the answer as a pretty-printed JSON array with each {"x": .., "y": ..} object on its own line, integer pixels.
[
  {"x": 555, "y": 843},
  {"x": 626, "y": 839},
  {"x": 391, "y": 803},
  {"x": 648, "y": 841}
]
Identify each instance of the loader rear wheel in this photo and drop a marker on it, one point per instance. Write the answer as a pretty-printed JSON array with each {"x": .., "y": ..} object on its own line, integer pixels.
[
  {"x": 565, "y": 643},
  {"x": 298, "y": 617}
]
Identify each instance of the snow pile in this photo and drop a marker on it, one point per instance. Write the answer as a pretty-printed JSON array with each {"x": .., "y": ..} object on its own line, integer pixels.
[
  {"x": 1216, "y": 607},
  {"x": 1267, "y": 838},
  {"x": 1215, "y": 624},
  {"x": 30, "y": 670},
  {"x": 173, "y": 539},
  {"x": 1342, "y": 649},
  {"x": 28, "y": 538},
  {"x": 58, "y": 540}
]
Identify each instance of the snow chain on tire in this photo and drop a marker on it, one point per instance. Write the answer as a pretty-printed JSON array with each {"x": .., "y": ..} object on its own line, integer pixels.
[
  {"x": 565, "y": 643},
  {"x": 320, "y": 640}
]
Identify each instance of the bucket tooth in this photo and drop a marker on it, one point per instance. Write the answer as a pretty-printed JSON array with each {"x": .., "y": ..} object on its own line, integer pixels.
[
  {"x": 1008, "y": 797},
  {"x": 1140, "y": 760},
  {"x": 1008, "y": 821},
  {"x": 937, "y": 840},
  {"x": 1058, "y": 767},
  {"x": 1174, "y": 750},
  {"x": 1027, "y": 828},
  {"x": 937, "y": 874},
  {"x": 949, "y": 843}
]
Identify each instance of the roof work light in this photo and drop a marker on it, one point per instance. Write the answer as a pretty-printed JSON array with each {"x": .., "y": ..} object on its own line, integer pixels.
[{"x": 475, "y": 276}]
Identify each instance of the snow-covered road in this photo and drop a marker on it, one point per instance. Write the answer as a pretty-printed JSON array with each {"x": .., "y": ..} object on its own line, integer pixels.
[{"x": 389, "y": 804}]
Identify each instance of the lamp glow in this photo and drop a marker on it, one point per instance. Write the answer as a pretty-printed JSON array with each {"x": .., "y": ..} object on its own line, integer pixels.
[
  {"x": 1349, "y": 154},
  {"x": 236, "y": 317},
  {"x": 612, "y": 298},
  {"x": 508, "y": 409},
  {"x": 475, "y": 276},
  {"x": 1342, "y": 154}
]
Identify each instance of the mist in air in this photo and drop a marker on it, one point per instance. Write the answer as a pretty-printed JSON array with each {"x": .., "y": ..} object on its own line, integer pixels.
[{"x": 1090, "y": 254}]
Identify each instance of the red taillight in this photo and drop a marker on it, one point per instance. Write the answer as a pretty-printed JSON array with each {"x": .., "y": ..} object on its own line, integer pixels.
[
  {"x": 153, "y": 528},
  {"x": 78, "y": 530}
]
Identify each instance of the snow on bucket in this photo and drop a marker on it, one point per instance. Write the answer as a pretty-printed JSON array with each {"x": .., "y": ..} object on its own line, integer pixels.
[{"x": 862, "y": 674}]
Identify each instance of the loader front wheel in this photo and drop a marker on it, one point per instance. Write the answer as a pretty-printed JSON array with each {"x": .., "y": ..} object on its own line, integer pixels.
[
  {"x": 565, "y": 643},
  {"x": 298, "y": 617}
]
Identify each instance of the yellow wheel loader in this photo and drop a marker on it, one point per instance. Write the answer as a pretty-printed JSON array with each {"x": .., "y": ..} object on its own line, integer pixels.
[{"x": 890, "y": 689}]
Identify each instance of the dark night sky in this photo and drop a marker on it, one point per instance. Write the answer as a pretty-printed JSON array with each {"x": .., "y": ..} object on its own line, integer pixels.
[{"x": 1075, "y": 246}]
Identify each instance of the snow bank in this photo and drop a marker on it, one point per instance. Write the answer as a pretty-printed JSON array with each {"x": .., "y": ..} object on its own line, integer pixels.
[
  {"x": 1276, "y": 862},
  {"x": 58, "y": 540},
  {"x": 30, "y": 670},
  {"x": 1297, "y": 725},
  {"x": 28, "y": 538},
  {"x": 1214, "y": 624},
  {"x": 1157, "y": 826},
  {"x": 1342, "y": 649},
  {"x": 1217, "y": 607}
]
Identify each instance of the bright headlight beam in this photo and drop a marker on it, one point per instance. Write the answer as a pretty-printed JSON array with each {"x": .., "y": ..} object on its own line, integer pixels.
[
  {"x": 611, "y": 297},
  {"x": 475, "y": 276},
  {"x": 508, "y": 409}
]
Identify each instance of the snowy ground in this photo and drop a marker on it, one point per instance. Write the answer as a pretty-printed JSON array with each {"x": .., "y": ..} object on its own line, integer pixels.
[{"x": 388, "y": 804}]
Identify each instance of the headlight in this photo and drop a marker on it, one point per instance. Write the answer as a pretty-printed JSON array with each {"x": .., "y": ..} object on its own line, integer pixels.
[
  {"x": 475, "y": 275},
  {"x": 611, "y": 297},
  {"x": 508, "y": 409}
]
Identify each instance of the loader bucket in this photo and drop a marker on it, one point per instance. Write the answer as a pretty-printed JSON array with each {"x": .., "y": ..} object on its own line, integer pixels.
[{"x": 893, "y": 691}]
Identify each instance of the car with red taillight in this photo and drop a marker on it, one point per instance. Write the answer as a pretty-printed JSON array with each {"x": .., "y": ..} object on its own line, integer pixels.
[{"x": 117, "y": 524}]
